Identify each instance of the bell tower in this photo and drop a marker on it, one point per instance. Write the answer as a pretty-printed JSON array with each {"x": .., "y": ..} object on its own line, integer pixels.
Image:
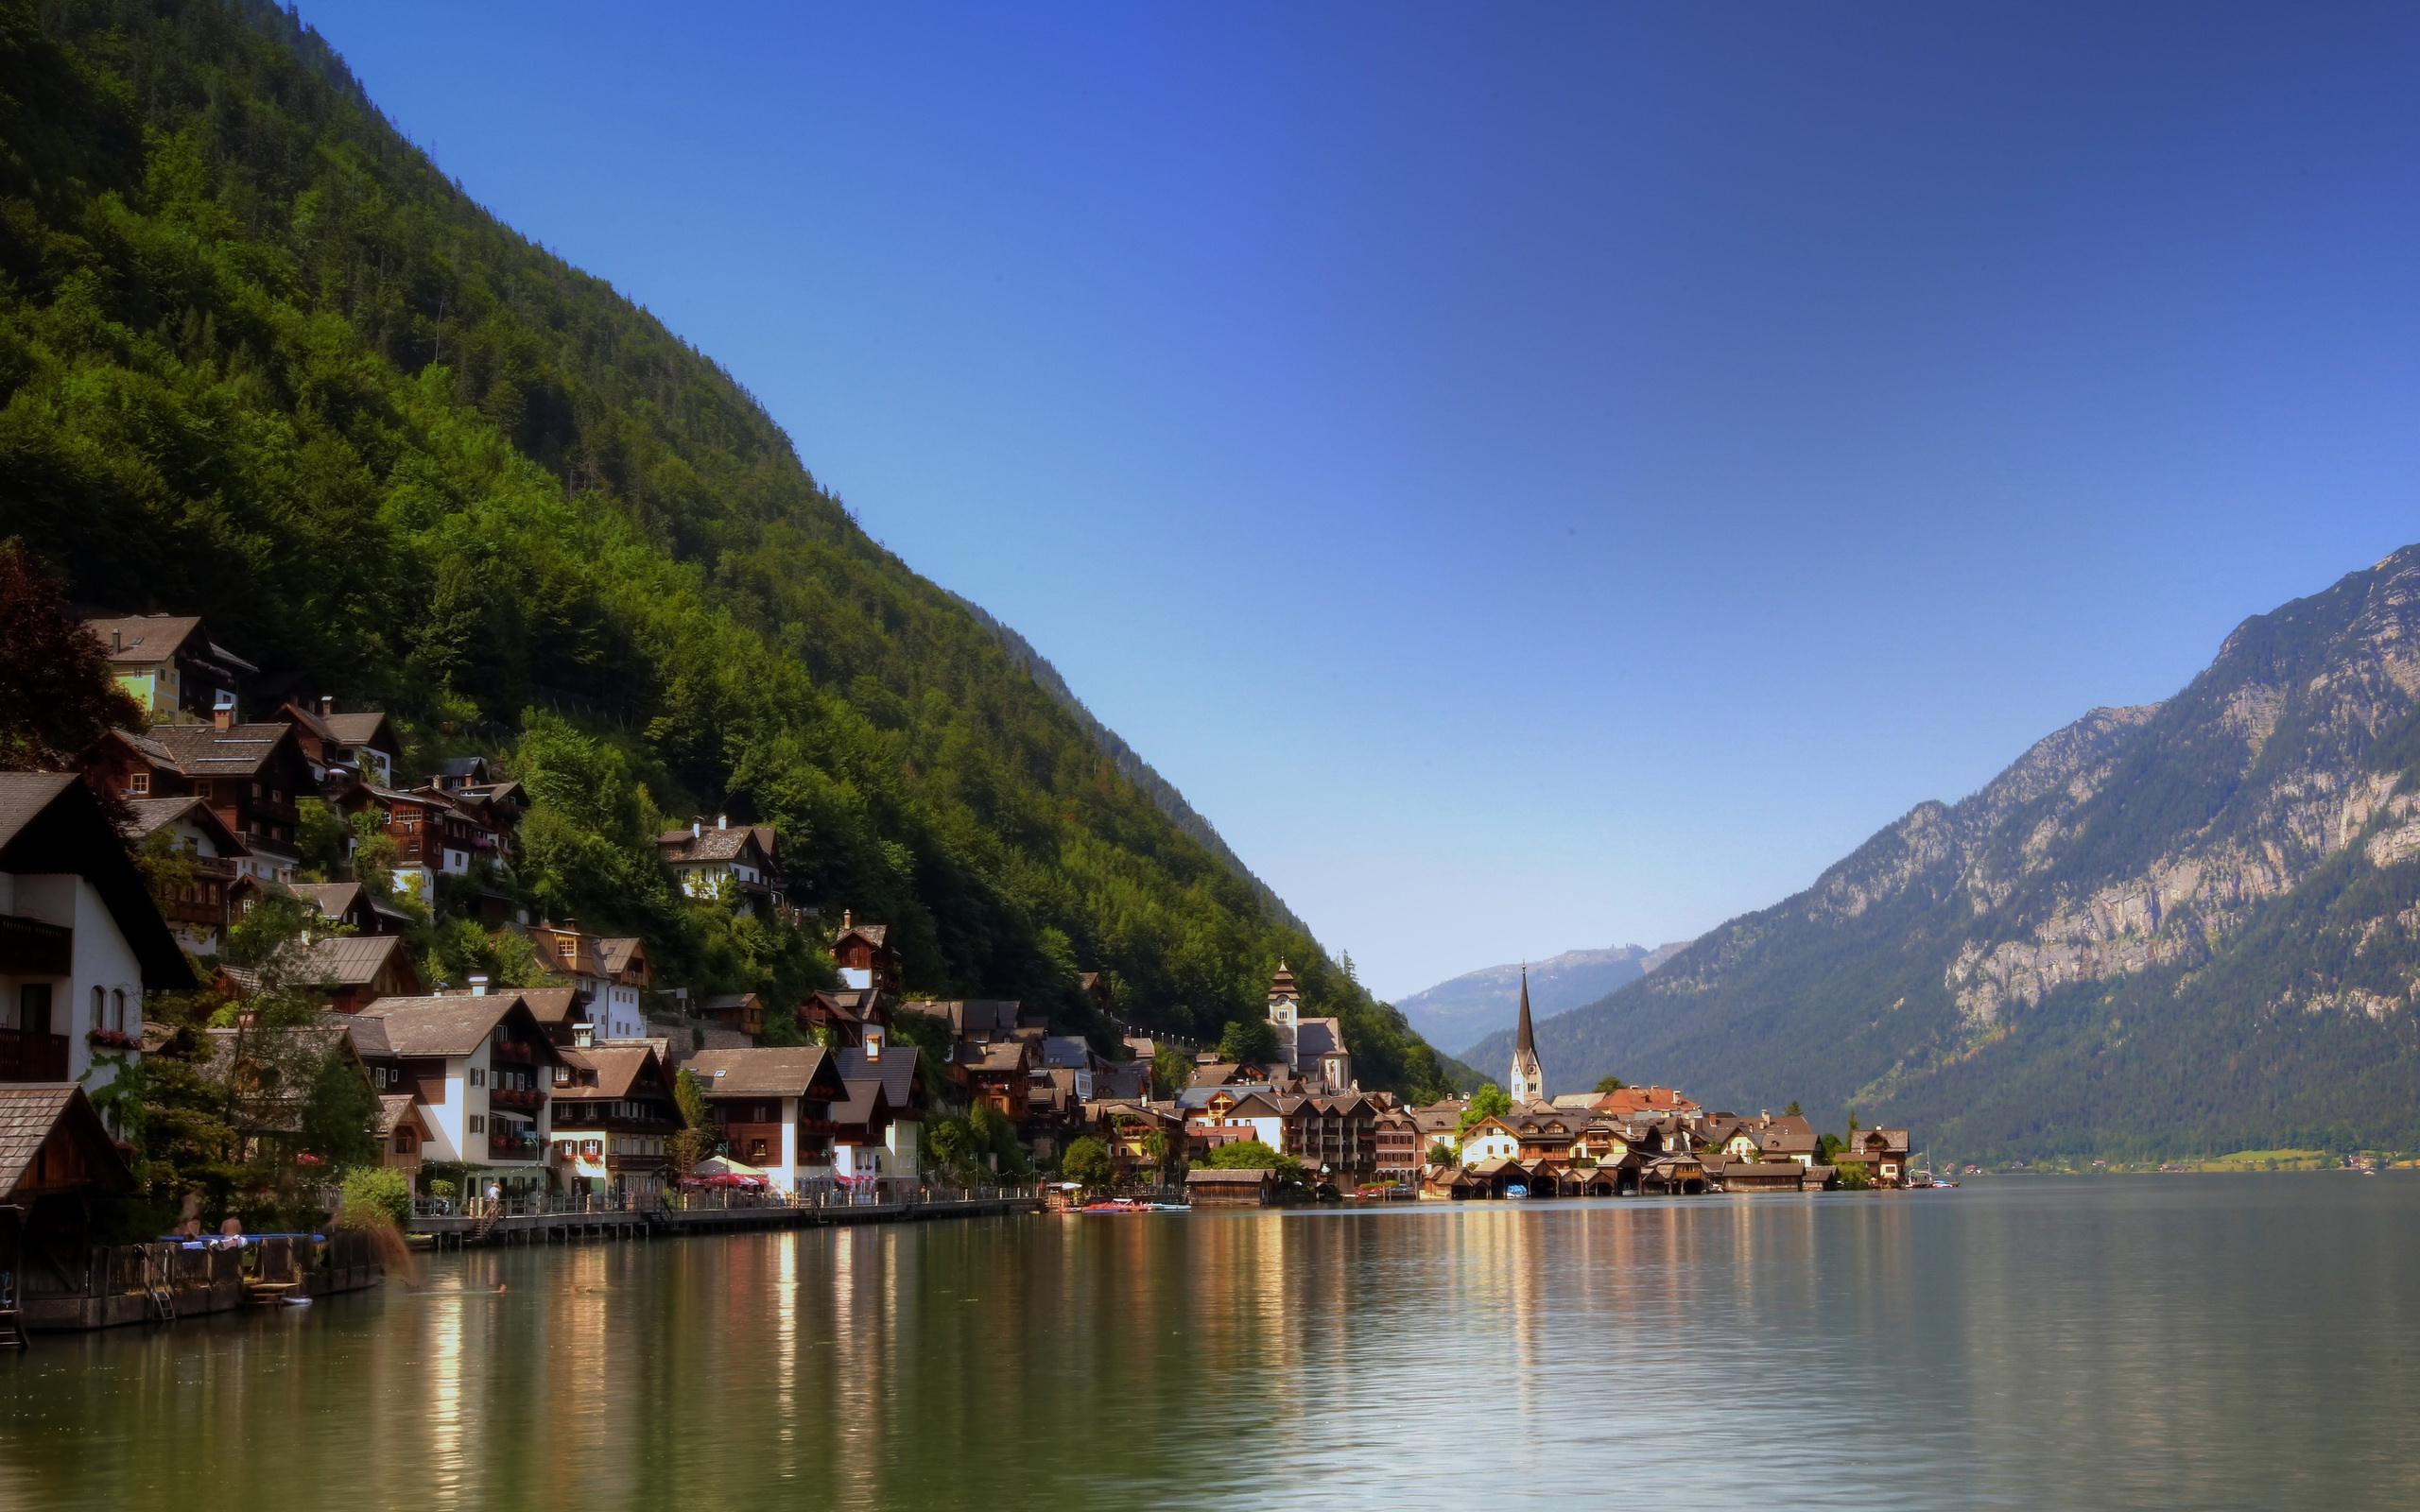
[{"x": 1527, "y": 1083}]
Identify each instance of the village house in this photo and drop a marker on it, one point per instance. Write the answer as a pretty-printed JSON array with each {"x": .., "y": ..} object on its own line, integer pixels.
[
  {"x": 867, "y": 959},
  {"x": 170, "y": 666},
  {"x": 344, "y": 749},
  {"x": 998, "y": 1074},
  {"x": 732, "y": 864},
  {"x": 1397, "y": 1134},
  {"x": 773, "y": 1107},
  {"x": 906, "y": 1100},
  {"x": 1647, "y": 1102},
  {"x": 80, "y": 939},
  {"x": 614, "y": 1119},
  {"x": 55, "y": 1158},
  {"x": 481, "y": 1067},
  {"x": 434, "y": 836},
  {"x": 269, "y": 1076},
  {"x": 199, "y": 908},
  {"x": 742, "y": 1013},
  {"x": 352, "y": 906},
  {"x": 1141, "y": 1135},
  {"x": 349, "y": 972},
  {"x": 1881, "y": 1153},
  {"x": 254, "y": 777},
  {"x": 403, "y": 1131}
]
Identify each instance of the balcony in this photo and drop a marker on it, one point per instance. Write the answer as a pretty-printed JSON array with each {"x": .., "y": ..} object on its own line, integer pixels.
[
  {"x": 502, "y": 1146},
  {"x": 32, "y": 1057},
  {"x": 512, "y": 1050},
  {"x": 29, "y": 947},
  {"x": 518, "y": 1099}
]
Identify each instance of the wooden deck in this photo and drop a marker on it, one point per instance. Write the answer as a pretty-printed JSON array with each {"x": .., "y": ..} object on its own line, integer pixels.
[{"x": 462, "y": 1231}]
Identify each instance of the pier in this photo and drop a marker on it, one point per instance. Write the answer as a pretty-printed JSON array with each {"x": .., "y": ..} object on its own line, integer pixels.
[{"x": 560, "y": 1219}]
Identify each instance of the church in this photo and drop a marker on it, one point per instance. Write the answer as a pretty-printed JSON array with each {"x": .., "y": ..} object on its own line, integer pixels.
[
  {"x": 1527, "y": 1083},
  {"x": 1314, "y": 1048}
]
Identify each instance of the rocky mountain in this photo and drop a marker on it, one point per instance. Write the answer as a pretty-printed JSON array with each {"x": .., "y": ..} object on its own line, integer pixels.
[
  {"x": 2191, "y": 926},
  {"x": 1476, "y": 1004}
]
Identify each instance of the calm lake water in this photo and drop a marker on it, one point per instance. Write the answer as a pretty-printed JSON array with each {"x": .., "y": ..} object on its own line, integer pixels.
[{"x": 2145, "y": 1342}]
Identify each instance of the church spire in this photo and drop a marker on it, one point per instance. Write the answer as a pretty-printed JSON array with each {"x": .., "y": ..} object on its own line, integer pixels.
[{"x": 1529, "y": 1080}]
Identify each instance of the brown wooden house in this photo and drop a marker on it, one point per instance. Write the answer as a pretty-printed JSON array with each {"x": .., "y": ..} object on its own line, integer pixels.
[
  {"x": 614, "y": 1117},
  {"x": 865, "y": 955},
  {"x": 198, "y": 909},
  {"x": 254, "y": 777}
]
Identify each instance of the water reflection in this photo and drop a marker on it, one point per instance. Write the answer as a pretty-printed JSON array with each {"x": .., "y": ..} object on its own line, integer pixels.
[{"x": 2238, "y": 1342}]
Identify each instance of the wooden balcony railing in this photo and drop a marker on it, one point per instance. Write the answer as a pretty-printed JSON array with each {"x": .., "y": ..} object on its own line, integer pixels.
[{"x": 32, "y": 1057}]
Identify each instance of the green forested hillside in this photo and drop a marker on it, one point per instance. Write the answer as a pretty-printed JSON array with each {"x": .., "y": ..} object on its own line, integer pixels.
[
  {"x": 2183, "y": 929},
  {"x": 259, "y": 360}
]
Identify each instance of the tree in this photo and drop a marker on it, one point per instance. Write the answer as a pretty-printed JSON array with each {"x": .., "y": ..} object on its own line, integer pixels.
[
  {"x": 1442, "y": 1153},
  {"x": 1791, "y": 1111},
  {"x": 1250, "y": 1042},
  {"x": 1172, "y": 1071},
  {"x": 698, "y": 1138},
  {"x": 1244, "y": 1155},
  {"x": 1490, "y": 1101},
  {"x": 55, "y": 682},
  {"x": 376, "y": 1189},
  {"x": 340, "y": 1115},
  {"x": 1827, "y": 1145},
  {"x": 1087, "y": 1160},
  {"x": 1610, "y": 1084},
  {"x": 1853, "y": 1178}
]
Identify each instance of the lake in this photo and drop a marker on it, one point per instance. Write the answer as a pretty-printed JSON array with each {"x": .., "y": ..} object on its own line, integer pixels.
[{"x": 2205, "y": 1341}]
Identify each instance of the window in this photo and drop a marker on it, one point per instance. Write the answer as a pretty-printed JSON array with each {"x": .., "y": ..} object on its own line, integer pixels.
[
  {"x": 201, "y": 789},
  {"x": 478, "y": 1125},
  {"x": 478, "y": 1078},
  {"x": 256, "y": 790},
  {"x": 97, "y": 1022},
  {"x": 117, "y": 1010},
  {"x": 563, "y": 1075},
  {"x": 277, "y": 795},
  {"x": 138, "y": 784},
  {"x": 403, "y": 1142}
]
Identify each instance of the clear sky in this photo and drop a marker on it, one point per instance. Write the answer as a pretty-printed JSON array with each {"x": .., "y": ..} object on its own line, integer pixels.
[{"x": 1534, "y": 475}]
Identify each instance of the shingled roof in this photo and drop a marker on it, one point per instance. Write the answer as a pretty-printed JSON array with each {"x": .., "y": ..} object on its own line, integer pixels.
[
  {"x": 451, "y": 1025},
  {"x": 31, "y": 1113},
  {"x": 770, "y": 1071}
]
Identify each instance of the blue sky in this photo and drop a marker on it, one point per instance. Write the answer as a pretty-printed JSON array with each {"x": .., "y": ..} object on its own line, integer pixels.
[{"x": 1534, "y": 476}]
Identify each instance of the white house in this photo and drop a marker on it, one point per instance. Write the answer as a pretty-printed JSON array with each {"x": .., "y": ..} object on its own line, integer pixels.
[
  {"x": 481, "y": 1066},
  {"x": 80, "y": 941},
  {"x": 1490, "y": 1139},
  {"x": 774, "y": 1106},
  {"x": 898, "y": 1071}
]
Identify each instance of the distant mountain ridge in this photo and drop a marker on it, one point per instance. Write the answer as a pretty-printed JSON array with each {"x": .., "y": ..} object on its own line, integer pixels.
[
  {"x": 2192, "y": 927},
  {"x": 1478, "y": 1004}
]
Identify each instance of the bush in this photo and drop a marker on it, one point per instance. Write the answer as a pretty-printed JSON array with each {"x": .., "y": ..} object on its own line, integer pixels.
[
  {"x": 375, "y": 1189},
  {"x": 1088, "y": 1161}
]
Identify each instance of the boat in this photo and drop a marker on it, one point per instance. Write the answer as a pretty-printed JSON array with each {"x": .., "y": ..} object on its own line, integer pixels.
[{"x": 1516, "y": 1191}]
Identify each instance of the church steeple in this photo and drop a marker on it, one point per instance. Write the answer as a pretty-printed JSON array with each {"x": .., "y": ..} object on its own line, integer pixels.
[{"x": 1528, "y": 1081}]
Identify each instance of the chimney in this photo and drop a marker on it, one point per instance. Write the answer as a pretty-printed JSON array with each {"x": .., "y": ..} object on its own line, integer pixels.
[
  {"x": 722, "y": 821},
  {"x": 117, "y": 640},
  {"x": 697, "y": 827},
  {"x": 327, "y": 703},
  {"x": 873, "y": 1042},
  {"x": 844, "y": 920},
  {"x": 583, "y": 1036},
  {"x": 478, "y": 986}
]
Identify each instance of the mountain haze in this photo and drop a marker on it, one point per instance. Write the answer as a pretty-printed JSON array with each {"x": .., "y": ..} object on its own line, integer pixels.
[
  {"x": 1476, "y": 1004},
  {"x": 2187, "y": 927},
  {"x": 262, "y": 362}
]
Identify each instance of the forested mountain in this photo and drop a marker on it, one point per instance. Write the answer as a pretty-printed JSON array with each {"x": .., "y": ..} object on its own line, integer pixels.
[
  {"x": 260, "y": 361},
  {"x": 2188, "y": 927},
  {"x": 1477, "y": 1007}
]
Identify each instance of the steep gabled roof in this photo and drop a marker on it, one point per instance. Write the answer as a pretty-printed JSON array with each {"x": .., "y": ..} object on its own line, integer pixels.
[
  {"x": 617, "y": 1066},
  {"x": 896, "y": 1070},
  {"x": 450, "y": 1025},
  {"x": 31, "y": 1113},
  {"x": 769, "y": 1071},
  {"x": 154, "y": 813},
  {"x": 356, "y": 960},
  {"x": 240, "y": 751},
  {"x": 50, "y": 822},
  {"x": 367, "y": 728}
]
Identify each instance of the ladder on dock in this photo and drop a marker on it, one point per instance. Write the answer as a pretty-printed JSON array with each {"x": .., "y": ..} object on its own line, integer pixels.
[
  {"x": 155, "y": 1283},
  {"x": 13, "y": 1322}
]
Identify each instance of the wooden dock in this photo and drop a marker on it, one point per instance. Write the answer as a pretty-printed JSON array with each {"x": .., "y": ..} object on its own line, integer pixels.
[{"x": 462, "y": 1231}]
